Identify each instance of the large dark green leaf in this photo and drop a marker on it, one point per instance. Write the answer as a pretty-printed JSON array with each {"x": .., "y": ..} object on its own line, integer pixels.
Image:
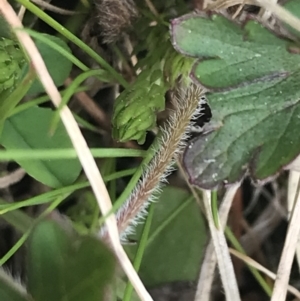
[
  {"x": 88, "y": 270},
  {"x": 29, "y": 130},
  {"x": 62, "y": 266},
  {"x": 49, "y": 249},
  {"x": 253, "y": 93}
]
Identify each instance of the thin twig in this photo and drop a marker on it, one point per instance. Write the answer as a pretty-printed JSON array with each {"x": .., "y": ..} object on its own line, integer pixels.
[
  {"x": 21, "y": 12},
  {"x": 91, "y": 107},
  {"x": 12, "y": 178},
  {"x": 53, "y": 8},
  {"x": 80, "y": 145},
  {"x": 239, "y": 9},
  {"x": 260, "y": 229},
  {"x": 152, "y": 8}
]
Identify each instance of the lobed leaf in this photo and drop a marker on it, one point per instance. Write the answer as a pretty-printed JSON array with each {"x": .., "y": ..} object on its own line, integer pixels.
[{"x": 253, "y": 93}]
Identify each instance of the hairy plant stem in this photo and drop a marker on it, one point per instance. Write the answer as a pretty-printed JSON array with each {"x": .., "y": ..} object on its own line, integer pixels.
[{"x": 169, "y": 144}]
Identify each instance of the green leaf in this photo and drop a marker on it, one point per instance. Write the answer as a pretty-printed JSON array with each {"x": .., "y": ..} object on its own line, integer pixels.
[
  {"x": 58, "y": 65},
  {"x": 176, "y": 241},
  {"x": 89, "y": 270},
  {"x": 11, "y": 289},
  {"x": 63, "y": 267},
  {"x": 29, "y": 130},
  {"x": 253, "y": 93},
  {"x": 49, "y": 247}
]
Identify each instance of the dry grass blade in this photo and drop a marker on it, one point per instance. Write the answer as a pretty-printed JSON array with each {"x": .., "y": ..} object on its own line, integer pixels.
[
  {"x": 21, "y": 12},
  {"x": 294, "y": 177},
  {"x": 269, "y": 6},
  {"x": 207, "y": 272},
  {"x": 262, "y": 269},
  {"x": 84, "y": 154},
  {"x": 279, "y": 12},
  {"x": 222, "y": 253},
  {"x": 265, "y": 14},
  {"x": 287, "y": 255}
]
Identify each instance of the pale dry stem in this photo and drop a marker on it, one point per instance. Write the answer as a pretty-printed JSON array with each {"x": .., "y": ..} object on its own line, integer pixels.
[
  {"x": 84, "y": 154},
  {"x": 21, "y": 12},
  {"x": 288, "y": 253},
  {"x": 209, "y": 264},
  {"x": 294, "y": 177},
  {"x": 280, "y": 12},
  {"x": 222, "y": 253},
  {"x": 269, "y": 7}
]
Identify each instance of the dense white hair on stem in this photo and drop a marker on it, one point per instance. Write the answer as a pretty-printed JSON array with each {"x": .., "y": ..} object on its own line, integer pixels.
[
  {"x": 171, "y": 142},
  {"x": 14, "y": 283}
]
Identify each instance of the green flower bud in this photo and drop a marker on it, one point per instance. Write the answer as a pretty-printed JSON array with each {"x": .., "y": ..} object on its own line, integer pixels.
[{"x": 135, "y": 109}]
